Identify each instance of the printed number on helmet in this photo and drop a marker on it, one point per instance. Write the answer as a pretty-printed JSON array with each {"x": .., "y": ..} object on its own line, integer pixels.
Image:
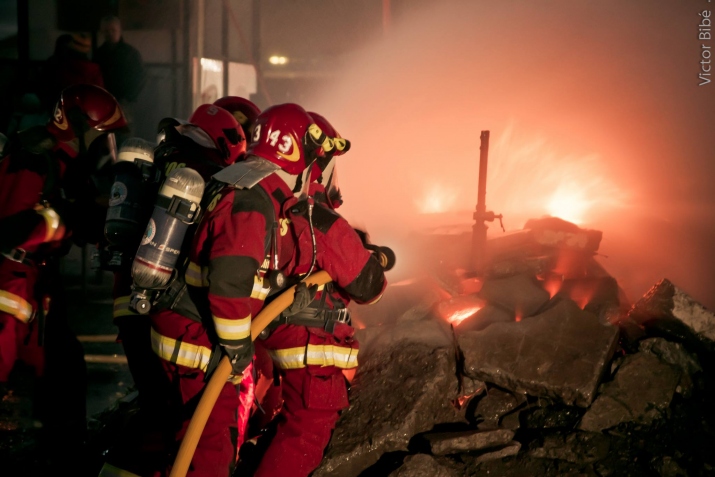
[{"x": 285, "y": 144}]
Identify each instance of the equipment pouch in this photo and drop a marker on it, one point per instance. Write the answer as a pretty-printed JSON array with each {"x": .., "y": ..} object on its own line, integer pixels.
[{"x": 325, "y": 392}]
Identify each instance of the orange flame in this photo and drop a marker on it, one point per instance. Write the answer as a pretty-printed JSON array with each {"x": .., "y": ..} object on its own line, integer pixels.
[
  {"x": 553, "y": 283},
  {"x": 460, "y": 315},
  {"x": 459, "y": 308}
]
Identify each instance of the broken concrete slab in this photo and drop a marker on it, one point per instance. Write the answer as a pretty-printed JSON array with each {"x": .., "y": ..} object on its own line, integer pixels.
[
  {"x": 671, "y": 353},
  {"x": 526, "y": 265},
  {"x": 444, "y": 443},
  {"x": 522, "y": 465},
  {"x": 551, "y": 416},
  {"x": 594, "y": 294},
  {"x": 665, "y": 304},
  {"x": 409, "y": 299},
  {"x": 484, "y": 317},
  {"x": 640, "y": 392},
  {"x": 560, "y": 353},
  {"x": 520, "y": 294},
  {"x": 496, "y": 404},
  {"x": 508, "y": 450},
  {"x": 428, "y": 329},
  {"x": 558, "y": 233},
  {"x": 422, "y": 465},
  {"x": 577, "y": 447},
  {"x": 399, "y": 391}
]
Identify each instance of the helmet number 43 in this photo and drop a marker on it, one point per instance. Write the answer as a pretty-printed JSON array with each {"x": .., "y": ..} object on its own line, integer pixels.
[{"x": 284, "y": 146}]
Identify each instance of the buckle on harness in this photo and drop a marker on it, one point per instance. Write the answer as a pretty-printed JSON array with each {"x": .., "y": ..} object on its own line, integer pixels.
[
  {"x": 16, "y": 255},
  {"x": 341, "y": 315}
]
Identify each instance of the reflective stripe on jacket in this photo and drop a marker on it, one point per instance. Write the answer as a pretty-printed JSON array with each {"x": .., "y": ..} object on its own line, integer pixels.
[
  {"x": 181, "y": 353},
  {"x": 16, "y": 306},
  {"x": 121, "y": 307}
]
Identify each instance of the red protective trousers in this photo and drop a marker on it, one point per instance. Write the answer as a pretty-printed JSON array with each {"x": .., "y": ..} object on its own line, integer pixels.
[
  {"x": 216, "y": 451},
  {"x": 313, "y": 397},
  {"x": 18, "y": 339}
]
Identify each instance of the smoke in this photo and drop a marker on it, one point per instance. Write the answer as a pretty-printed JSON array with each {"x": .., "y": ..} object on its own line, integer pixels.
[{"x": 595, "y": 115}]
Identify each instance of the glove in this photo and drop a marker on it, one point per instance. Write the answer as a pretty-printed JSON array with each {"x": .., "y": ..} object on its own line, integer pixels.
[
  {"x": 240, "y": 356},
  {"x": 303, "y": 297}
]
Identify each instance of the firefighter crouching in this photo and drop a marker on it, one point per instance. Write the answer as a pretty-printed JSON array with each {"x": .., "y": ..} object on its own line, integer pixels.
[
  {"x": 39, "y": 176},
  {"x": 311, "y": 348}
]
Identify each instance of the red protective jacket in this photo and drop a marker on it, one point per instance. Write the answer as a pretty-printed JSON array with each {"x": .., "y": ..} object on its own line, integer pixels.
[{"x": 30, "y": 176}]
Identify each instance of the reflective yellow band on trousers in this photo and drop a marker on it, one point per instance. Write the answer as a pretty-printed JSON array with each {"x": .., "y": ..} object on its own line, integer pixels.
[
  {"x": 233, "y": 329},
  {"x": 197, "y": 276},
  {"x": 121, "y": 307},
  {"x": 15, "y": 305},
  {"x": 317, "y": 355},
  {"x": 111, "y": 471},
  {"x": 177, "y": 352}
]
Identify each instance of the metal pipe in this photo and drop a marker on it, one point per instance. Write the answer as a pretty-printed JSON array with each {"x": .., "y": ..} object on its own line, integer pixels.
[
  {"x": 483, "y": 161},
  {"x": 479, "y": 231}
]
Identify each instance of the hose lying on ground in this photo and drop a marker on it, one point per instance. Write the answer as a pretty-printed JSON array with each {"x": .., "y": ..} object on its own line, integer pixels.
[{"x": 223, "y": 371}]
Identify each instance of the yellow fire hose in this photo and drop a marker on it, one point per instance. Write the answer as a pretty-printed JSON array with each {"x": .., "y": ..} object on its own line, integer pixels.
[{"x": 222, "y": 373}]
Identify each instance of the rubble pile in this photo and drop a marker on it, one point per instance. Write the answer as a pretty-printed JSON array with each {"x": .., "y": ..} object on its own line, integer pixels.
[{"x": 552, "y": 373}]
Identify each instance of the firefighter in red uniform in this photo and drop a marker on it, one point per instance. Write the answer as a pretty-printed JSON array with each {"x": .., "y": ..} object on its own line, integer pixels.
[
  {"x": 39, "y": 177},
  {"x": 268, "y": 393},
  {"x": 312, "y": 347},
  {"x": 242, "y": 109},
  {"x": 226, "y": 281},
  {"x": 209, "y": 141},
  {"x": 245, "y": 113}
]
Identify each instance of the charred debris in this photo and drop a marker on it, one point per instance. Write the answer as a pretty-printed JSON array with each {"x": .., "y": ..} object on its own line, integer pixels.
[{"x": 538, "y": 366}]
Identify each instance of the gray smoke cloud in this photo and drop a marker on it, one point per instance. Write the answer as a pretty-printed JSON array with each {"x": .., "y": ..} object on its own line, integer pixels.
[{"x": 595, "y": 113}]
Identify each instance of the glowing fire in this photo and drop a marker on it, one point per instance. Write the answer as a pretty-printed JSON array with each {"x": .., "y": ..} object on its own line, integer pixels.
[
  {"x": 437, "y": 198},
  {"x": 460, "y": 315},
  {"x": 553, "y": 283},
  {"x": 459, "y": 308},
  {"x": 531, "y": 177},
  {"x": 569, "y": 202}
]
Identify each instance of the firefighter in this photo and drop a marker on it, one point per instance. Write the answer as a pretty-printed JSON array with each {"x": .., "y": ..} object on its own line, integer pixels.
[
  {"x": 210, "y": 140},
  {"x": 245, "y": 113},
  {"x": 42, "y": 178},
  {"x": 238, "y": 246},
  {"x": 312, "y": 347},
  {"x": 242, "y": 109}
]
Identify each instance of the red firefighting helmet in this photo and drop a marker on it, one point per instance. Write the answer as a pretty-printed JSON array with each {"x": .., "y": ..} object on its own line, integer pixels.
[
  {"x": 223, "y": 129},
  {"x": 83, "y": 107},
  {"x": 242, "y": 109},
  {"x": 325, "y": 166},
  {"x": 335, "y": 146},
  {"x": 287, "y": 136}
]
